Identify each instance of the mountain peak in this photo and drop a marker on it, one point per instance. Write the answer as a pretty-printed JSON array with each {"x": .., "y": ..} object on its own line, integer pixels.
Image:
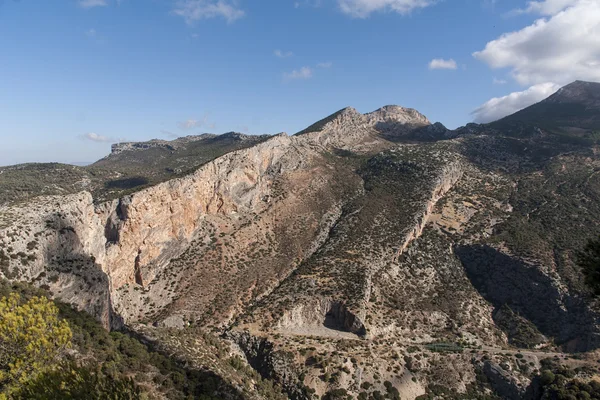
[
  {"x": 398, "y": 114},
  {"x": 385, "y": 118},
  {"x": 573, "y": 109},
  {"x": 579, "y": 92},
  {"x": 320, "y": 125},
  {"x": 348, "y": 110}
]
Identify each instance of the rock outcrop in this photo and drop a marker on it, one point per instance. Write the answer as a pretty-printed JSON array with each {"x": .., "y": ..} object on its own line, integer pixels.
[
  {"x": 503, "y": 382},
  {"x": 348, "y": 129},
  {"x": 321, "y": 317}
]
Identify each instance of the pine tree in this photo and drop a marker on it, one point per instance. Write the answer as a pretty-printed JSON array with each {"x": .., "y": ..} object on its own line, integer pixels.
[{"x": 32, "y": 338}]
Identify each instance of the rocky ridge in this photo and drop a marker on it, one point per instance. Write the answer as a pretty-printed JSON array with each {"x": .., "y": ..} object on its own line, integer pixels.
[{"x": 344, "y": 257}]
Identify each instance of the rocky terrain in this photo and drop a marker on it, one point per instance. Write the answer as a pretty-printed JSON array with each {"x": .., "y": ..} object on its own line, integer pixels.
[{"x": 369, "y": 256}]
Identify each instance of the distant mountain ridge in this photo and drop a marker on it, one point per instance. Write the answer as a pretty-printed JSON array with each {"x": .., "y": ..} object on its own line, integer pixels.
[{"x": 129, "y": 167}]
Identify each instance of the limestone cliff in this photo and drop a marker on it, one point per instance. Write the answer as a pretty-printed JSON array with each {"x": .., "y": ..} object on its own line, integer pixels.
[{"x": 132, "y": 238}]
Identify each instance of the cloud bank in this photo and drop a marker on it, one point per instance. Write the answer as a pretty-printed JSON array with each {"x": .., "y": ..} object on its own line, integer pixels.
[
  {"x": 499, "y": 107},
  {"x": 555, "y": 50}
]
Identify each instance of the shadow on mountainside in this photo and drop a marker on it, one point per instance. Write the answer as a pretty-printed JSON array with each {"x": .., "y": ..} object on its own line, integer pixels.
[
  {"x": 498, "y": 151},
  {"x": 77, "y": 282},
  {"x": 509, "y": 155},
  {"x": 398, "y": 132},
  {"x": 197, "y": 383},
  {"x": 127, "y": 183},
  {"x": 520, "y": 292}
]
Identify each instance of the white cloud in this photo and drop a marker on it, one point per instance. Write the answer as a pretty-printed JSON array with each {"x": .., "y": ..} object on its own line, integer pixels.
[
  {"x": 94, "y": 137},
  {"x": 302, "y": 73},
  {"x": 499, "y": 107},
  {"x": 283, "y": 54},
  {"x": 440, "y": 63},
  {"x": 497, "y": 81},
  {"x": 92, "y": 3},
  {"x": 562, "y": 48},
  {"x": 327, "y": 64},
  {"x": 364, "y": 8},
  {"x": 90, "y": 33},
  {"x": 195, "y": 10}
]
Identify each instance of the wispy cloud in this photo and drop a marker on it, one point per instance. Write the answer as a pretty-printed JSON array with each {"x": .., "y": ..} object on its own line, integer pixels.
[
  {"x": 364, "y": 8},
  {"x": 92, "y": 3},
  {"x": 196, "y": 123},
  {"x": 299, "y": 74},
  {"x": 440, "y": 63},
  {"x": 191, "y": 123},
  {"x": 94, "y": 137},
  {"x": 90, "y": 33},
  {"x": 327, "y": 64},
  {"x": 497, "y": 81},
  {"x": 283, "y": 54},
  {"x": 194, "y": 10}
]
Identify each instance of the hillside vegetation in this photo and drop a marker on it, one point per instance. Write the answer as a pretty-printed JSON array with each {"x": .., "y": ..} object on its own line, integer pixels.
[
  {"x": 49, "y": 350},
  {"x": 130, "y": 167}
]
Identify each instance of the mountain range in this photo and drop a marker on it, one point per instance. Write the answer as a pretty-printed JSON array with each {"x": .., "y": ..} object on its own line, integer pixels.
[{"x": 368, "y": 256}]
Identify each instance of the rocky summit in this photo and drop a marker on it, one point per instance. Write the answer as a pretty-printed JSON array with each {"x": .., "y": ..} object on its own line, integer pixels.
[{"x": 368, "y": 256}]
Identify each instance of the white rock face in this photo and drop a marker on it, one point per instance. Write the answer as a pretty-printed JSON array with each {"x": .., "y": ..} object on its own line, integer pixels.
[
  {"x": 397, "y": 115},
  {"x": 157, "y": 223},
  {"x": 132, "y": 238},
  {"x": 84, "y": 252},
  {"x": 362, "y": 132},
  {"x": 58, "y": 242}
]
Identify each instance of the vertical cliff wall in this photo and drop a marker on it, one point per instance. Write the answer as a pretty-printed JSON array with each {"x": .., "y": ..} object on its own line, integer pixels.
[{"x": 61, "y": 241}]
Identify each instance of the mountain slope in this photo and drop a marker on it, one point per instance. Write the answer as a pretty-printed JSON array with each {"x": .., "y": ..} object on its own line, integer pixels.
[
  {"x": 573, "y": 110},
  {"x": 371, "y": 254}
]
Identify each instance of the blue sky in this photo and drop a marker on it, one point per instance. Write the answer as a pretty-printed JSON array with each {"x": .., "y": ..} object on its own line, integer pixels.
[{"x": 76, "y": 75}]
